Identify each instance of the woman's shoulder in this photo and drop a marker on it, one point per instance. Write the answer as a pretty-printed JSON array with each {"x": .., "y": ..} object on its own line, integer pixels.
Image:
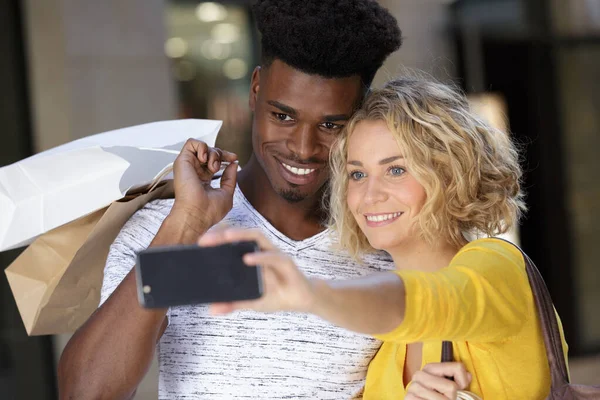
[{"x": 492, "y": 251}]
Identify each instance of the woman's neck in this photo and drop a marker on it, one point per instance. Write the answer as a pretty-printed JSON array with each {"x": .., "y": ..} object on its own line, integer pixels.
[{"x": 422, "y": 256}]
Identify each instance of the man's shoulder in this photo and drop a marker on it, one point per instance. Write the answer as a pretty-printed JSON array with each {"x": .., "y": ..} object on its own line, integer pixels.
[
  {"x": 330, "y": 242},
  {"x": 152, "y": 213},
  {"x": 143, "y": 225},
  {"x": 151, "y": 216},
  {"x": 327, "y": 250},
  {"x": 377, "y": 256}
]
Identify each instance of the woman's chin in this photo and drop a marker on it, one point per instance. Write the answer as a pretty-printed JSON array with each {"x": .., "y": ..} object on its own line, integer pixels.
[{"x": 382, "y": 245}]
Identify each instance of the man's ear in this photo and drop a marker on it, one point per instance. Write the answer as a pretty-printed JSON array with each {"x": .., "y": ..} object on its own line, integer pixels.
[{"x": 254, "y": 87}]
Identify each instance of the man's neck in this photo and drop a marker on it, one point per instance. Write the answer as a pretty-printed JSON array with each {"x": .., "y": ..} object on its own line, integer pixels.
[{"x": 297, "y": 221}]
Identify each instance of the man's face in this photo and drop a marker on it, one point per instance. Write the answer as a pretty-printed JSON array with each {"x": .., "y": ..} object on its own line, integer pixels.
[{"x": 296, "y": 119}]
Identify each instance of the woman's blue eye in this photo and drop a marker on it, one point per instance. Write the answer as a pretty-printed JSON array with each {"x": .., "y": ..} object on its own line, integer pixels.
[
  {"x": 396, "y": 171},
  {"x": 356, "y": 175}
]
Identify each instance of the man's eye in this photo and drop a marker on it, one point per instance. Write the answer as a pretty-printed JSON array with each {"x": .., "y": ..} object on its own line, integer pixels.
[
  {"x": 356, "y": 175},
  {"x": 331, "y": 126},
  {"x": 283, "y": 117}
]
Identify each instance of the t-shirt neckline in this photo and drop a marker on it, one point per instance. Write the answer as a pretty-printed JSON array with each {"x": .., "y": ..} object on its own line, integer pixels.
[{"x": 267, "y": 225}]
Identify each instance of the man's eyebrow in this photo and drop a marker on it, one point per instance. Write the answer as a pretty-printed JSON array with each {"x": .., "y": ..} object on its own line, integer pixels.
[
  {"x": 381, "y": 162},
  {"x": 286, "y": 109},
  {"x": 336, "y": 118},
  {"x": 291, "y": 111}
]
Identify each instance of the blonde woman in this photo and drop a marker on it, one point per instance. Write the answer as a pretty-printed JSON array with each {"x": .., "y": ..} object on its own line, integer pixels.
[{"x": 413, "y": 172}]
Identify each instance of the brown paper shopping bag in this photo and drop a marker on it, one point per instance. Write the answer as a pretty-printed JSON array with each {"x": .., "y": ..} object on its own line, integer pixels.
[{"x": 56, "y": 281}]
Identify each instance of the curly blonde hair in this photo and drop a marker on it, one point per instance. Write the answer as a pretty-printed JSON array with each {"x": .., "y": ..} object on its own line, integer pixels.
[{"x": 470, "y": 171}]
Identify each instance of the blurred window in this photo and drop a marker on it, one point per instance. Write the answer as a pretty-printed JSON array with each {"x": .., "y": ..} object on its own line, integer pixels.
[
  {"x": 212, "y": 48},
  {"x": 578, "y": 70}
]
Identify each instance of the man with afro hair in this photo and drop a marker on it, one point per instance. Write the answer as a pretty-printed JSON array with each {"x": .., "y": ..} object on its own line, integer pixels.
[{"x": 318, "y": 60}]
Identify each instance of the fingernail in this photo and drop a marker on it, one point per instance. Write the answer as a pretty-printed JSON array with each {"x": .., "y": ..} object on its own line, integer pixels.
[{"x": 248, "y": 258}]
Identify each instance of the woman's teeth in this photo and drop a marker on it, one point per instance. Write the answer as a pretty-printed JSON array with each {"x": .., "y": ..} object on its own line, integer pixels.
[
  {"x": 382, "y": 217},
  {"x": 298, "y": 171}
]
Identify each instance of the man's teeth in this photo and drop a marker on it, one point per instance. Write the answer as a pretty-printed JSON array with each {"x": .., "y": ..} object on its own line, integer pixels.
[
  {"x": 382, "y": 217},
  {"x": 298, "y": 171}
]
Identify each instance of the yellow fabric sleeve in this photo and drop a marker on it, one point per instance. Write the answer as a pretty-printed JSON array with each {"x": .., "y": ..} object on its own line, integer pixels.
[{"x": 482, "y": 296}]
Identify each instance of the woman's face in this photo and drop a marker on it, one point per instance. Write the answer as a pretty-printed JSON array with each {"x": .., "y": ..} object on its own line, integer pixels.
[{"x": 383, "y": 196}]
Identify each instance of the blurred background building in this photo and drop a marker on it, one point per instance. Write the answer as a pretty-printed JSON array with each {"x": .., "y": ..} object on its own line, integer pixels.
[{"x": 71, "y": 68}]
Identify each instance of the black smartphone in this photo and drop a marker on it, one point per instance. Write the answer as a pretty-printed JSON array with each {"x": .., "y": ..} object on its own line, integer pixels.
[{"x": 185, "y": 275}]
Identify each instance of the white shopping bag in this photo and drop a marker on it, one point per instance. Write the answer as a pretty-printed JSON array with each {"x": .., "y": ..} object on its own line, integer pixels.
[{"x": 60, "y": 185}]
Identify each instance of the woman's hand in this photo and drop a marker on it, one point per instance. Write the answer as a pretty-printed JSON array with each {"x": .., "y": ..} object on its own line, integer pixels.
[
  {"x": 433, "y": 383},
  {"x": 285, "y": 287}
]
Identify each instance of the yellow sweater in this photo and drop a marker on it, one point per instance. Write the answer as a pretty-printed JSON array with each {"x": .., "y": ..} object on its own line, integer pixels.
[{"x": 483, "y": 303}]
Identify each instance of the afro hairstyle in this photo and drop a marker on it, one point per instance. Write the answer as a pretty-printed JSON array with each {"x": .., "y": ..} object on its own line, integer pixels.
[{"x": 330, "y": 38}]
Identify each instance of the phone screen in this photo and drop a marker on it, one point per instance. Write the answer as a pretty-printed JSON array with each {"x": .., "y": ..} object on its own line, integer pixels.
[{"x": 186, "y": 275}]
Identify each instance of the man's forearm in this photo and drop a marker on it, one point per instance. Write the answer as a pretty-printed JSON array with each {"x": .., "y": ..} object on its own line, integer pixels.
[
  {"x": 110, "y": 354},
  {"x": 373, "y": 304}
]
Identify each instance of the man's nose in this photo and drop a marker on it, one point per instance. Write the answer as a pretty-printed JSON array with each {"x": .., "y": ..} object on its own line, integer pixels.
[{"x": 304, "y": 142}]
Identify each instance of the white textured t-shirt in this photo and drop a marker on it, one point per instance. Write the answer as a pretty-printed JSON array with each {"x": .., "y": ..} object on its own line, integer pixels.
[{"x": 250, "y": 355}]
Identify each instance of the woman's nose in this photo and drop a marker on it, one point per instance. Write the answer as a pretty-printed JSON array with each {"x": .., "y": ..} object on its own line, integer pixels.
[{"x": 374, "y": 191}]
